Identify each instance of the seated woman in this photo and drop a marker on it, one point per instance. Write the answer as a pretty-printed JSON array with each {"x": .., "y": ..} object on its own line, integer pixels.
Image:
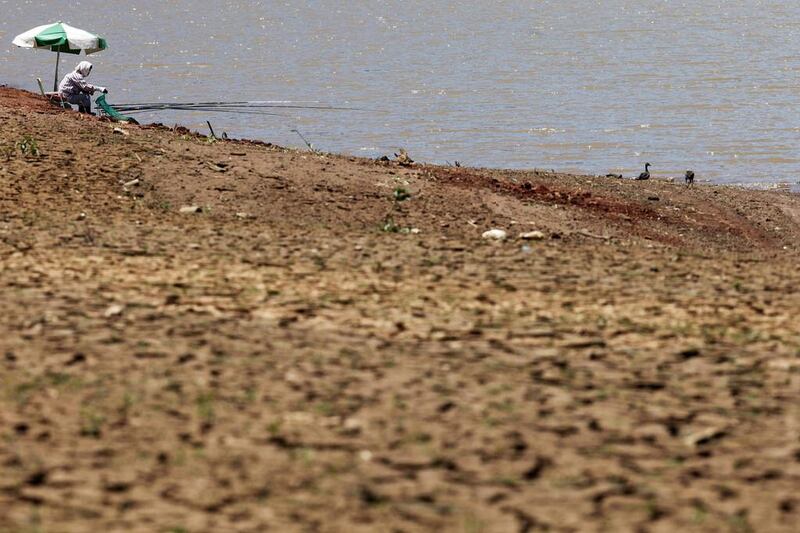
[{"x": 75, "y": 90}]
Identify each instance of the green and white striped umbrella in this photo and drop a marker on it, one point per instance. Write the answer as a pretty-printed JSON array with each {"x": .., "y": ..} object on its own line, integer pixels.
[{"x": 60, "y": 37}]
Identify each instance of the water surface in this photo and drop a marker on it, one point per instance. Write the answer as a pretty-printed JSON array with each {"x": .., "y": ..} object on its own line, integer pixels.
[{"x": 585, "y": 85}]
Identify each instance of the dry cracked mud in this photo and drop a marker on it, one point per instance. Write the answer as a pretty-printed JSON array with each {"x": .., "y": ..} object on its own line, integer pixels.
[{"x": 291, "y": 356}]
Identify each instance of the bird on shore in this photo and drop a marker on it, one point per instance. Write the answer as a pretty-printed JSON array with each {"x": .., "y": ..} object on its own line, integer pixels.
[
  {"x": 689, "y": 178},
  {"x": 646, "y": 174}
]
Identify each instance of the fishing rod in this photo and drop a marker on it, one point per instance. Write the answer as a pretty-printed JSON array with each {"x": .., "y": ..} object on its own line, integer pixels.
[
  {"x": 203, "y": 109},
  {"x": 235, "y": 105},
  {"x": 248, "y": 106},
  {"x": 123, "y": 109},
  {"x": 228, "y": 103}
]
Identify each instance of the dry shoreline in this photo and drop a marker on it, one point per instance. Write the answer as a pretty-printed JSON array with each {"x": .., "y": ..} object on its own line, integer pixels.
[{"x": 278, "y": 362}]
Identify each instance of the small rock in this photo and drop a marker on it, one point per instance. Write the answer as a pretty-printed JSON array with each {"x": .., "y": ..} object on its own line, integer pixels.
[
  {"x": 114, "y": 310},
  {"x": 496, "y": 234},
  {"x": 76, "y": 359},
  {"x": 132, "y": 183},
  {"x": 243, "y": 215},
  {"x": 120, "y": 131},
  {"x": 532, "y": 236},
  {"x": 81, "y": 216},
  {"x": 415, "y": 231},
  {"x": 353, "y": 425},
  {"x": 365, "y": 455},
  {"x": 191, "y": 209},
  {"x": 704, "y": 436},
  {"x": 293, "y": 378},
  {"x": 653, "y": 198}
]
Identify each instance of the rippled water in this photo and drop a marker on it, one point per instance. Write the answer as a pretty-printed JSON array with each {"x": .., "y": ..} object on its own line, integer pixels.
[{"x": 583, "y": 85}]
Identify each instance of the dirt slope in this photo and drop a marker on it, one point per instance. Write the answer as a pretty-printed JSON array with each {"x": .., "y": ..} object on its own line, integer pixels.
[{"x": 279, "y": 362}]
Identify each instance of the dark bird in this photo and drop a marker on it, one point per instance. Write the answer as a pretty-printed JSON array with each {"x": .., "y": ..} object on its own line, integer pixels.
[
  {"x": 646, "y": 174},
  {"x": 689, "y": 178}
]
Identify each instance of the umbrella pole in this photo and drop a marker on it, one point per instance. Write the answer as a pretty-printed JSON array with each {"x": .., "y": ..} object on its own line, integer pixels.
[{"x": 55, "y": 81}]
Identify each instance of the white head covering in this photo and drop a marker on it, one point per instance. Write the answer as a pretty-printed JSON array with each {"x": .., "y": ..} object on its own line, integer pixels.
[{"x": 83, "y": 68}]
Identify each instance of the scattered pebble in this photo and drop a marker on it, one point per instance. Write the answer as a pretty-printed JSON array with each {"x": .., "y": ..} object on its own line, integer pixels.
[
  {"x": 191, "y": 209},
  {"x": 496, "y": 234},
  {"x": 365, "y": 455},
  {"x": 114, "y": 310},
  {"x": 532, "y": 236},
  {"x": 293, "y": 378},
  {"x": 353, "y": 425},
  {"x": 704, "y": 436},
  {"x": 120, "y": 131}
]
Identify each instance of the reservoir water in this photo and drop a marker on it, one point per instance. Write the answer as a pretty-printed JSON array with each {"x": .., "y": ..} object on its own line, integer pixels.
[{"x": 586, "y": 86}]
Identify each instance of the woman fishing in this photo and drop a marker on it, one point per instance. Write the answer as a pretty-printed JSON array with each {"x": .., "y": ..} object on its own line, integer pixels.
[{"x": 75, "y": 89}]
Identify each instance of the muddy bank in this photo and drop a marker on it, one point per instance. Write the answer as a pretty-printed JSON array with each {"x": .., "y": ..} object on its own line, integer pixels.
[{"x": 294, "y": 357}]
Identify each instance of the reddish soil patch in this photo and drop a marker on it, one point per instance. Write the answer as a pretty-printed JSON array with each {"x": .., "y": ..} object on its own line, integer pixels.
[
  {"x": 24, "y": 100},
  {"x": 550, "y": 194}
]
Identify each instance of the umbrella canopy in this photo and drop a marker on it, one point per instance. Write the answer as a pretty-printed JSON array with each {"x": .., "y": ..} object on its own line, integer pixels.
[{"x": 60, "y": 37}]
